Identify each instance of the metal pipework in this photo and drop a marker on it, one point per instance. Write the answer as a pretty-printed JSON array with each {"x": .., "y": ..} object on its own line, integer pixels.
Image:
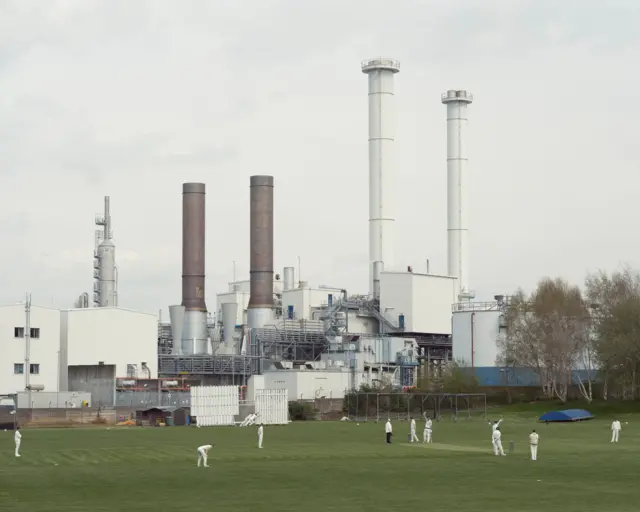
[
  {"x": 195, "y": 332},
  {"x": 457, "y": 175},
  {"x": 381, "y": 161},
  {"x": 260, "y": 309}
]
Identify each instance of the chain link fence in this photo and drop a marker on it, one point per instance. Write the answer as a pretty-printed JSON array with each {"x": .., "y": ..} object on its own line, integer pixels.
[{"x": 404, "y": 406}]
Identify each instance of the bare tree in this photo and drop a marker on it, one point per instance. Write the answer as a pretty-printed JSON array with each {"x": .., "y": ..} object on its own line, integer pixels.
[
  {"x": 616, "y": 299},
  {"x": 585, "y": 367},
  {"x": 546, "y": 333}
]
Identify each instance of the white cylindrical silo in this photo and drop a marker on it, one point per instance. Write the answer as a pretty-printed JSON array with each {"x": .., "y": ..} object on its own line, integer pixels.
[
  {"x": 229, "y": 321},
  {"x": 381, "y": 160},
  {"x": 176, "y": 317},
  {"x": 289, "y": 278},
  {"x": 457, "y": 207},
  {"x": 107, "y": 273}
]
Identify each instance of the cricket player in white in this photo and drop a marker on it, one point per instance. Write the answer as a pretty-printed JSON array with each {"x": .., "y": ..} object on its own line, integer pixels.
[
  {"x": 17, "y": 439},
  {"x": 260, "y": 435},
  {"x": 426, "y": 435},
  {"x": 203, "y": 452},
  {"x": 616, "y": 427},
  {"x": 414, "y": 437},
  {"x": 495, "y": 425},
  {"x": 249, "y": 420},
  {"x": 533, "y": 444},
  {"x": 497, "y": 442},
  {"x": 388, "y": 430}
]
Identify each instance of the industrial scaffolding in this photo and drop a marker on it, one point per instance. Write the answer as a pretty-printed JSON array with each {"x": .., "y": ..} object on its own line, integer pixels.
[
  {"x": 240, "y": 365},
  {"x": 290, "y": 340}
]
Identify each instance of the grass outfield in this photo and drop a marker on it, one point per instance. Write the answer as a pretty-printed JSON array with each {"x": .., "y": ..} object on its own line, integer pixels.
[{"x": 322, "y": 466}]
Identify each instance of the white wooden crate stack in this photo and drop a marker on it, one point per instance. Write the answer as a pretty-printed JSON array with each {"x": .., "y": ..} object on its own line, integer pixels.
[
  {"x": 215, "y": 405},
  {"x": 272, "y": 406}
]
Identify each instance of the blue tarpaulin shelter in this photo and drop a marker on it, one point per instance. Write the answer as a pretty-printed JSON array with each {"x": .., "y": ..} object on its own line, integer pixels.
[{"x": 567, "y": 415}]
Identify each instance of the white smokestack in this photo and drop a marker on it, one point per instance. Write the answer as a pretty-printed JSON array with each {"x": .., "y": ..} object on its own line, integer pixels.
[
  {"x": 381, "y": 161},
  {"x": 457, "y": 208}
]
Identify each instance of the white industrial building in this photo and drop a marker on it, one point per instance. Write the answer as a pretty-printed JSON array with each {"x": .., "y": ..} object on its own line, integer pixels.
[
  {"x": 422, "y": 300},
  {"x": 45, "y": 345},
  {"x": 76, "y": 350}
]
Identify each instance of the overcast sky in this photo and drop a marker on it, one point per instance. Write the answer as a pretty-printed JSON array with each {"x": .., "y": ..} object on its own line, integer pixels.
[{"x": 132, "y": 98}]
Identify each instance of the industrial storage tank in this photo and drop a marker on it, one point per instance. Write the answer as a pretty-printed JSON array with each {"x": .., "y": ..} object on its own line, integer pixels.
[
  {"x": 476, "y": 330},
  {"x": 107, "y": 273}
]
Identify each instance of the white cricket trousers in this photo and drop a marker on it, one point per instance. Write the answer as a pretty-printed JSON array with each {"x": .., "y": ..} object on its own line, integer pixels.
[
  {"x": 615, "y": 434},
  {"x": 534, "y": 452},
  {"x": 414, "y": 437},
  {"x": 202, "y": 458},
  {"x": 497, "y": 447},
  {"x": 260, "y": 436},
  {"x": 426, "y": 435},
  {"x": 17, "y": 448}
]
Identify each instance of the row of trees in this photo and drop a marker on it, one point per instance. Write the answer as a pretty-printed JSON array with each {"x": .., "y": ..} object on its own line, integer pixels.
[{"x": 569, "y": 336}]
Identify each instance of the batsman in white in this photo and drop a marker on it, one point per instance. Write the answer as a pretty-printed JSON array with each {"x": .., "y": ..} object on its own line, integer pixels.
[
  {"x": 496, "y": 439},
  {"x": 414, "y": 437},
  {"x": 260, "y": 435},
  {"x": 17, "y": 439},
  {"x": 203, "y": 452},
  {"x": 616, "y": 427},
  {"x": 426, "y": 435},
  {"x": 533, "y": 444}
]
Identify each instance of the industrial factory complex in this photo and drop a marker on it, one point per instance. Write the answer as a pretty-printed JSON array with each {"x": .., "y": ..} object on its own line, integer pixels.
[{"x": 272, "y": 330}]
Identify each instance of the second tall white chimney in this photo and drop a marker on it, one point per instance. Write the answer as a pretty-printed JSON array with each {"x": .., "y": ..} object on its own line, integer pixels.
[
  {"x": 457, "y": 175},
  {"x": 381, "y": 161}
]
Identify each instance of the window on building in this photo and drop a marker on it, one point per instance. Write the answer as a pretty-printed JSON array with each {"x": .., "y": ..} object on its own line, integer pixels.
[
  {"x": 18, "y": 368},
  {"x": 35, "y": 332},
  {"x": 18, "y": 332},
  {"x": 34, "y": 369}
]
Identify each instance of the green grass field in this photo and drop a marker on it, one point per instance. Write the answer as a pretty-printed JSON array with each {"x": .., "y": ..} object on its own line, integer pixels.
[{"x": 323, "y": 466}]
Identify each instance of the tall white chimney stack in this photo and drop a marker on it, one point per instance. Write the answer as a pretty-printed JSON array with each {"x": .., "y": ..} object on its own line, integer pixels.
[
  {"x": 457, "y": 208},
  {"x": 381, "y": 161}
]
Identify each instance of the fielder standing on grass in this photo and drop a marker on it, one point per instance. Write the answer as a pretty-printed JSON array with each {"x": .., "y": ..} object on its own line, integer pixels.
[
  {"x": 426, "y": 435},
  {"x": 17, "y": 439},
  {"x": 260, "y": 435},
  {"x": 616, "y": 427},
  {"x": 414, "y": 437},
  {"x": 203, "y": 452},
  {"x": 533, "y": 444},
  {"x": 388, "y": 430}
]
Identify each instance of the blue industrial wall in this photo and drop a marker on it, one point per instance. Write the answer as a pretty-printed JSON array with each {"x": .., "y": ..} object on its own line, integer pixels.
[{"x": 492, "y": 376}]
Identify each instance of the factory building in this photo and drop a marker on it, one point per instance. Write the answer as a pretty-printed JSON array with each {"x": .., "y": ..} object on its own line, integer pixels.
[
  {"x": 274, "y": 329},
  {"x": 75, "y": 350}
]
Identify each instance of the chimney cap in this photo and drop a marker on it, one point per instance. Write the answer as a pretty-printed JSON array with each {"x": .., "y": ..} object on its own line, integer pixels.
[
  {"x": 262, "y": 181},
  {"x": 193, "y": 188}
]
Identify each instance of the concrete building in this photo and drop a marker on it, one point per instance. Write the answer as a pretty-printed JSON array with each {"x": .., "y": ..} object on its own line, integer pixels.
[
  {"x": 45, "y": 344},
  {"x": 422, "y": 302},
  {"x": 76, "y": 350}
]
